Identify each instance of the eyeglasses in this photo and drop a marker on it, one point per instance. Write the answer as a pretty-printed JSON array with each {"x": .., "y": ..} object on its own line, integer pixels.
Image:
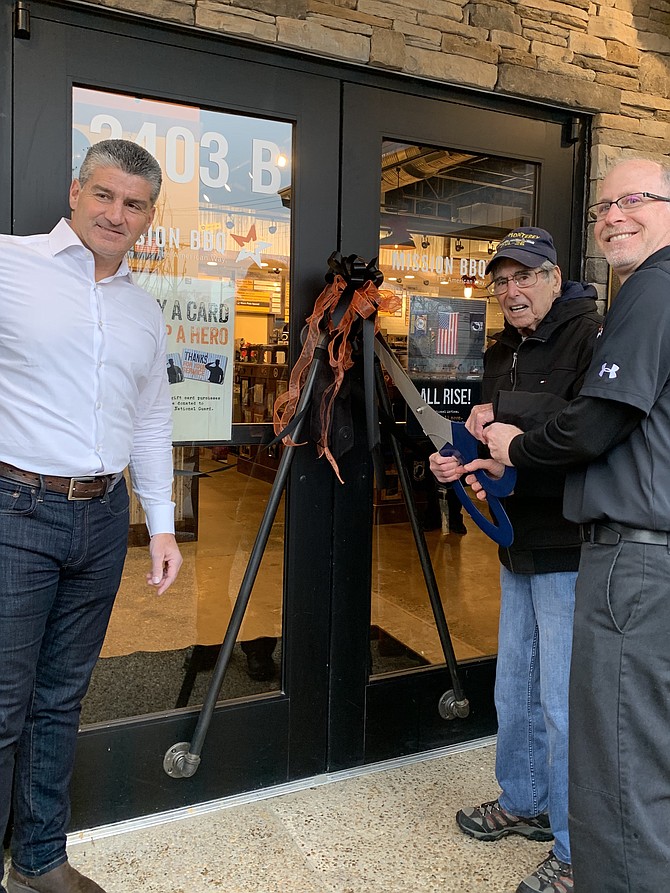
[
  {"x": 626, "y": 204},
  {"x": 522, "y": 279}
]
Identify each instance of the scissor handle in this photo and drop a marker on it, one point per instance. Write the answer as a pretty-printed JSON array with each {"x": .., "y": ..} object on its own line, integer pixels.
[
  {"x": 502, "y": 532},
  {"x": 464, "y": 448}
]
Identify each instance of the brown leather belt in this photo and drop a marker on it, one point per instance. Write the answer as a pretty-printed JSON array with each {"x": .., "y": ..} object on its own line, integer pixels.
[{"x": 86, "y": 487}]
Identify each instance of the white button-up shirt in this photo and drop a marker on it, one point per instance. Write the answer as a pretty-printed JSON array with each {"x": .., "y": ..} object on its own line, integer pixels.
[{"x": 83, "y": 381}]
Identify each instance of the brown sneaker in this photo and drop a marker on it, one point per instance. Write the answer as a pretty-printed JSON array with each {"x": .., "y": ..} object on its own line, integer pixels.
[
  {"x": 64, "y": 879},
  {"x": 550, "y": 876},
  {"x": 491, "y": 822}
]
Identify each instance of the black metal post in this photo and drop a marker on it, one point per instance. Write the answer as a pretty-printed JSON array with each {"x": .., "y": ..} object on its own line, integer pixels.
[
  {"x": 452, "y": 703},
  {"x": 182, "y": 759}
]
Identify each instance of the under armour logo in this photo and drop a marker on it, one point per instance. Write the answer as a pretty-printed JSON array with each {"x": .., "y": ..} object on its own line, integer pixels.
[{"x": 610, "y": 371}]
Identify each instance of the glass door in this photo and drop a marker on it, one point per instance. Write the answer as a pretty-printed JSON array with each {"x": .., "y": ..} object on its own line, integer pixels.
[
  {"x": 271, "y": 163},
  {"x": 235, "y": 258},
  {"x": 217, "y": 261},
  {"x": 434, "y": 186}
]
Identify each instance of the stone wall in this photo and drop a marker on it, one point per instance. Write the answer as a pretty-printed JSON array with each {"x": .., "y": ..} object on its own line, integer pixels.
[{"x": 611, "y": 57}]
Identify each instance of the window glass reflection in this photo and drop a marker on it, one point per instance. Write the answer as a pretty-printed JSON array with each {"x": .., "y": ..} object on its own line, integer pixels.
[
  {"x": 442, "y": 214},
  {"x": 216, "y": 259}
]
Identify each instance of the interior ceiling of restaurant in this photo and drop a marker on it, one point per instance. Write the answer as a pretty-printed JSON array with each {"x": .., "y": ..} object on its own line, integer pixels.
[{"x": 444, "y": 192}]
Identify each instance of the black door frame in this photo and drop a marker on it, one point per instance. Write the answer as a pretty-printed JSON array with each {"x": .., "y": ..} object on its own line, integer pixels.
[
  {"x": 248, "y": 743},
  {"x": 400, "y": 710},
  {"x": 6, "y": 118},
  {"x": 329, "y": 715}
]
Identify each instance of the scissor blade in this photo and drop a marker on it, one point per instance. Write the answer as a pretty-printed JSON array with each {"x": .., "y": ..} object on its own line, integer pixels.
[
  {"x": 433, "y": 425},
  {"x": 441, "y": 432}
]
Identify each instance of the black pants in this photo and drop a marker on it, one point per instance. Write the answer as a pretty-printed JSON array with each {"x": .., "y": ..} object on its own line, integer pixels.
[{"x": 619, "y": 798}]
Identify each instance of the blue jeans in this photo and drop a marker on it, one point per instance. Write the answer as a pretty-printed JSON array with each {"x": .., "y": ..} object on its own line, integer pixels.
[
  {"x": 531, "y": 694},
  {"x": 60, "y": 567}
]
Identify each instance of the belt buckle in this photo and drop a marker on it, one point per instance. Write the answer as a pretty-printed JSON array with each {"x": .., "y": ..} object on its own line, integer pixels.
[
  {"x": 609, "y": 536},
  {"x": 73, "y": 483},
  {"x": 588, "y": 533}
]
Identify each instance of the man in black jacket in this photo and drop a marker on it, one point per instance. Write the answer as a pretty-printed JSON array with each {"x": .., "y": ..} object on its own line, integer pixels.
[
  {"x": 617, "y": 433},
  {"x": 532, "y": 368}
]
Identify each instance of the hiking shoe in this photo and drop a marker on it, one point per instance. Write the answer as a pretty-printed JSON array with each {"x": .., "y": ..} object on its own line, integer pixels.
[
  {"x": 491, "y": 822},
  {"x": 550, "y": 876}
]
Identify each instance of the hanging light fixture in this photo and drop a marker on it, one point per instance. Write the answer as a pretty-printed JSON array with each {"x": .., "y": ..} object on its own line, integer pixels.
[
  {"x": 459, "y": 246},
  {"x": 468, "y": 283},
  {"x": 490, "y": 249}
]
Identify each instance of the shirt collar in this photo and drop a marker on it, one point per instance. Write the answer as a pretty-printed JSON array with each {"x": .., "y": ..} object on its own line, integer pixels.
[{"x": 62, "y": 237}]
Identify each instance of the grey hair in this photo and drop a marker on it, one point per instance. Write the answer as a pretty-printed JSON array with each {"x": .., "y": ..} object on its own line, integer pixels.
[{"x": 128, "y": 157}]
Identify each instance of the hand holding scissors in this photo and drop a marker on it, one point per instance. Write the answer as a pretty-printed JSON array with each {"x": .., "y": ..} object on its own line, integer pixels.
[
  {"x": 497, "y": 438},
  {"x": 452, "y": 439}
]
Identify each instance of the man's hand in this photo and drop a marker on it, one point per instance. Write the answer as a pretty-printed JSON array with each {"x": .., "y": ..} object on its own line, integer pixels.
[
  {"x": 490, "y": 466},
  {"x": 479, "y": 416},
  {"x": 165, "y": 561},
  {"x": 497, "y": 438},
  {"x": 446, "y": 469}
]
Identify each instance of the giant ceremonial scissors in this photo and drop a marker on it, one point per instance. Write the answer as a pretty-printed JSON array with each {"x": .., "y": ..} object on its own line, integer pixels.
[{"x": 453, "y": 439}]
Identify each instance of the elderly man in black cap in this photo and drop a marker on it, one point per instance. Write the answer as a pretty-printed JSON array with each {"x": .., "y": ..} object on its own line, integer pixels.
[{"x": 531, "y": 369}]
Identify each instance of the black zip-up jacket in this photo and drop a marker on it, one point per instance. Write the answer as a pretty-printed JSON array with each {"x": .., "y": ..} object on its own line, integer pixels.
[{"x": 528, "y": 380}]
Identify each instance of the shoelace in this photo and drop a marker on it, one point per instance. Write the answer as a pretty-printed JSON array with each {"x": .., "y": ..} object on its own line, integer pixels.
[
  {"x": 491, "y": 806},
  {"x": 552, "y": 869}
]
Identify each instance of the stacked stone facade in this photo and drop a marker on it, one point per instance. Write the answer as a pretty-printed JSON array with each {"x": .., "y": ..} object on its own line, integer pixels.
[{"x": 611, "y": 57}]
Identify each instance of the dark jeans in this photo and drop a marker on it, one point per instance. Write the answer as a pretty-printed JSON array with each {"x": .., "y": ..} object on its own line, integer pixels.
[
  {"x": 60, "y": 567},
  {"x": 619, "y": 798}
]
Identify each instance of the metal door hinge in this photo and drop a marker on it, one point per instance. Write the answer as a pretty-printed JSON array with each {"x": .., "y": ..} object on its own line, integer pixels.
[{"x": 22, "y": 20}]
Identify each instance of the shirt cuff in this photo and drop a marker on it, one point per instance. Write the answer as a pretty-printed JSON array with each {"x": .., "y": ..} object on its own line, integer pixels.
[{"x": 160, "y": 518}]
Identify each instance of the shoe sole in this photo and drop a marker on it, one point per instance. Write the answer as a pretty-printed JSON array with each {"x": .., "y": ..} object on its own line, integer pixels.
[
  {"x": 14, "y": 885},
  {"x": 536, "y": 834},
  {"x": 17, "y": 887}
]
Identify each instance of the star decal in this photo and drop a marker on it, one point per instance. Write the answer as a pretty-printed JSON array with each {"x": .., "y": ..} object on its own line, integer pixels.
[
  {"x": 250, "y": 236},
  {"x": 255, "y": 253}
]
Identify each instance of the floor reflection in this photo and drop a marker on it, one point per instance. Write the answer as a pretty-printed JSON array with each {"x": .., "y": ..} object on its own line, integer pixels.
[{"x": 159, "y": 652}]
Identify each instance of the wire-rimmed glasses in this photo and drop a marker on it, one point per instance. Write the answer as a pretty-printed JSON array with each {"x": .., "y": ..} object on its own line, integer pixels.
[
  {"x": 626, "y": 204},
  {"x": 522, "y": 279}
]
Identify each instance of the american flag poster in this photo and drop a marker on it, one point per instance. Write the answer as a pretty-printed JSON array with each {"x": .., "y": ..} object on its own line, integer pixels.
[
  {"x": 447, "y": 333},
  {"x": 446, "y": 337}
]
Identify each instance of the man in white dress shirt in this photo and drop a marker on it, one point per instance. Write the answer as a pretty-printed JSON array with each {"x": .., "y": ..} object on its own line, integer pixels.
[{"x": 84, "y": 394}]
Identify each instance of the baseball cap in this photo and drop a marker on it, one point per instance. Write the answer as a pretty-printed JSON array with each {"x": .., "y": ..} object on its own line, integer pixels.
[{"x": 528, "y": 245}]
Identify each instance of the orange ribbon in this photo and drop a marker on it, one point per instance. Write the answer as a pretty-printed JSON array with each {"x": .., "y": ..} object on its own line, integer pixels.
[{"x": 365, "y": 303}]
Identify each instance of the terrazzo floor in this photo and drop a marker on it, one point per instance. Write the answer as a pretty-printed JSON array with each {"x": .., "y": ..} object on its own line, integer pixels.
[{"x": 388, "y": 831}]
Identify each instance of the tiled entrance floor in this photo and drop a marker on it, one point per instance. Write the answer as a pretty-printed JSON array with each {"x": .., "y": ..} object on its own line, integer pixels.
[{"x": 388, "y": 831}]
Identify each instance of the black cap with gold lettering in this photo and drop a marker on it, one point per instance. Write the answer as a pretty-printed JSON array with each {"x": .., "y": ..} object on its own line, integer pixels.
[{"x": 528, "y": 245}]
